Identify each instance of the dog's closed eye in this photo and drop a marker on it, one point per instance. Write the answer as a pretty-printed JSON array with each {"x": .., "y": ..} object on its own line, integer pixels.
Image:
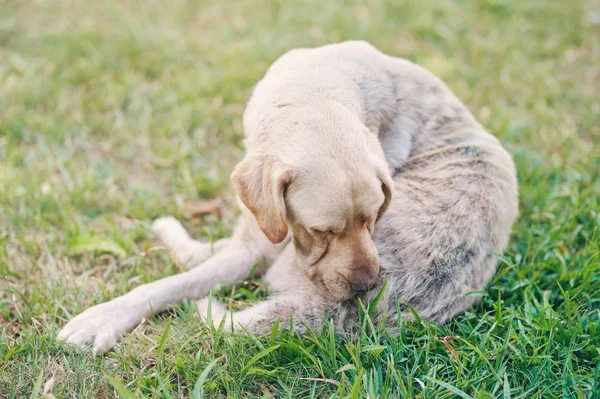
[
  {"x": 322, "y": 233},
  {"x": 326, "y": 231}
]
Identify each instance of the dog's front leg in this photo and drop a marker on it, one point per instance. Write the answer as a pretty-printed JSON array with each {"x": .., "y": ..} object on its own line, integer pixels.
[
  {"x": 257, "y": 319},
  {"x": 294, "y": 299},
  {"x": 102, "y": 325},
  {"x": 304, "y": 312}
]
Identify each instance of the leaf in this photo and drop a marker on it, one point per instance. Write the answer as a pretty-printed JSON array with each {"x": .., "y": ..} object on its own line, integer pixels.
[
  {"x": 332, "y": 346},
  {"x": 248, "y": 294},
  {"x": 414, "y": 313},
  {"x": 198, "y": 392},
  {"x": 374, "y": 349},
  {"x": 163, "y": 340},
  {"x": 328, "y": 380},
  {"x": 203, "y": 207},
  {"x": 259, "y": 356},
  {"x": 265, "y": 373},
  {"x": 477, "y": 293},
  {"x": 86, "y": 244},
  {"x": 481, "y": 355},
  {"x": 37, "y": 387},
  {"x": 275, "y": 330},
  {"x": 506, "y": 387},
  {"x": 354, "y": 394},
  {"x": 451, "y": 351},
  {"x": 121, "y": 389},
  {"x": 306, "y": 352},
  {"x": 377, "y": 299},
  {"x": 346, "y": 368},
  {"x": 449, "y": 387}
]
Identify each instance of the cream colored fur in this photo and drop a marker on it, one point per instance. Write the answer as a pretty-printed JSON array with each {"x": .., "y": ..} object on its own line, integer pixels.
[{"x": 361, "y": 169}]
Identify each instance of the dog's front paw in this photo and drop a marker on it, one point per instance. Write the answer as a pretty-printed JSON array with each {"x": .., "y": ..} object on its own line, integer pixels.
[
  {"x": 216, "y": 309},
  {"x": 101, "y": 326}
]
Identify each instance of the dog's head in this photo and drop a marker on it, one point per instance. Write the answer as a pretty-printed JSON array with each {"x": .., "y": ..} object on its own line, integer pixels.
[{"x": 325, "y": 179}]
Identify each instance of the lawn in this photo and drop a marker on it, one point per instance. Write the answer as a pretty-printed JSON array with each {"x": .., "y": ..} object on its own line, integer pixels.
[{"x": 115, "y": 112}]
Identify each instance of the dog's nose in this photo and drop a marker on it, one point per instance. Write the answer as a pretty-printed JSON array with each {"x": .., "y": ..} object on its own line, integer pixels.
[
  {"x": 363, "y": 286},
  {"x": 364, "y": 279}
]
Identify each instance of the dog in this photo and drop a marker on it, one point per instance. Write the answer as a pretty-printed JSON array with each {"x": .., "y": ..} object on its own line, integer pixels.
[{"x": 365, "y": 177}]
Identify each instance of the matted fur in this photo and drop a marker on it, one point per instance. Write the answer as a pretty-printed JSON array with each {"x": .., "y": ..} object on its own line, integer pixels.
[{"x": 342, "y": 136}]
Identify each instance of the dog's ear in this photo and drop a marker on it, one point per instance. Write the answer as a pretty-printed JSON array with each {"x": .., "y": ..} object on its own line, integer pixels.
[
  {"x": 387, "y": 186},
  {"x": 261, "y": 182}
]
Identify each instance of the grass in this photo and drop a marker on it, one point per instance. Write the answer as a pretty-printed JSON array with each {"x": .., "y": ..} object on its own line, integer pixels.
[{"x": 114, "y": 112}]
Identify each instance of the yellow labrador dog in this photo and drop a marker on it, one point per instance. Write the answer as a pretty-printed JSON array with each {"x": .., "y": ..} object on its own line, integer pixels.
[{"x": 361, "y": 169}]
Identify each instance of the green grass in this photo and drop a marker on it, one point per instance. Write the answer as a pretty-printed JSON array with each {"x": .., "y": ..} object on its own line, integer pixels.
[{"x": 115, "y": 112}]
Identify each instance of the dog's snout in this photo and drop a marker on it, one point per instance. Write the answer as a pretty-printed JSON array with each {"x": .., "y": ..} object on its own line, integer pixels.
[{"x": 363, "y": 286}]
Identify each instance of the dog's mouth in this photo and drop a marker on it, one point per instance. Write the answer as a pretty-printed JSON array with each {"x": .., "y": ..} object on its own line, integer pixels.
[
  {"x": 333, "y": 289},
  {"x": 318, "y": 281}
]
